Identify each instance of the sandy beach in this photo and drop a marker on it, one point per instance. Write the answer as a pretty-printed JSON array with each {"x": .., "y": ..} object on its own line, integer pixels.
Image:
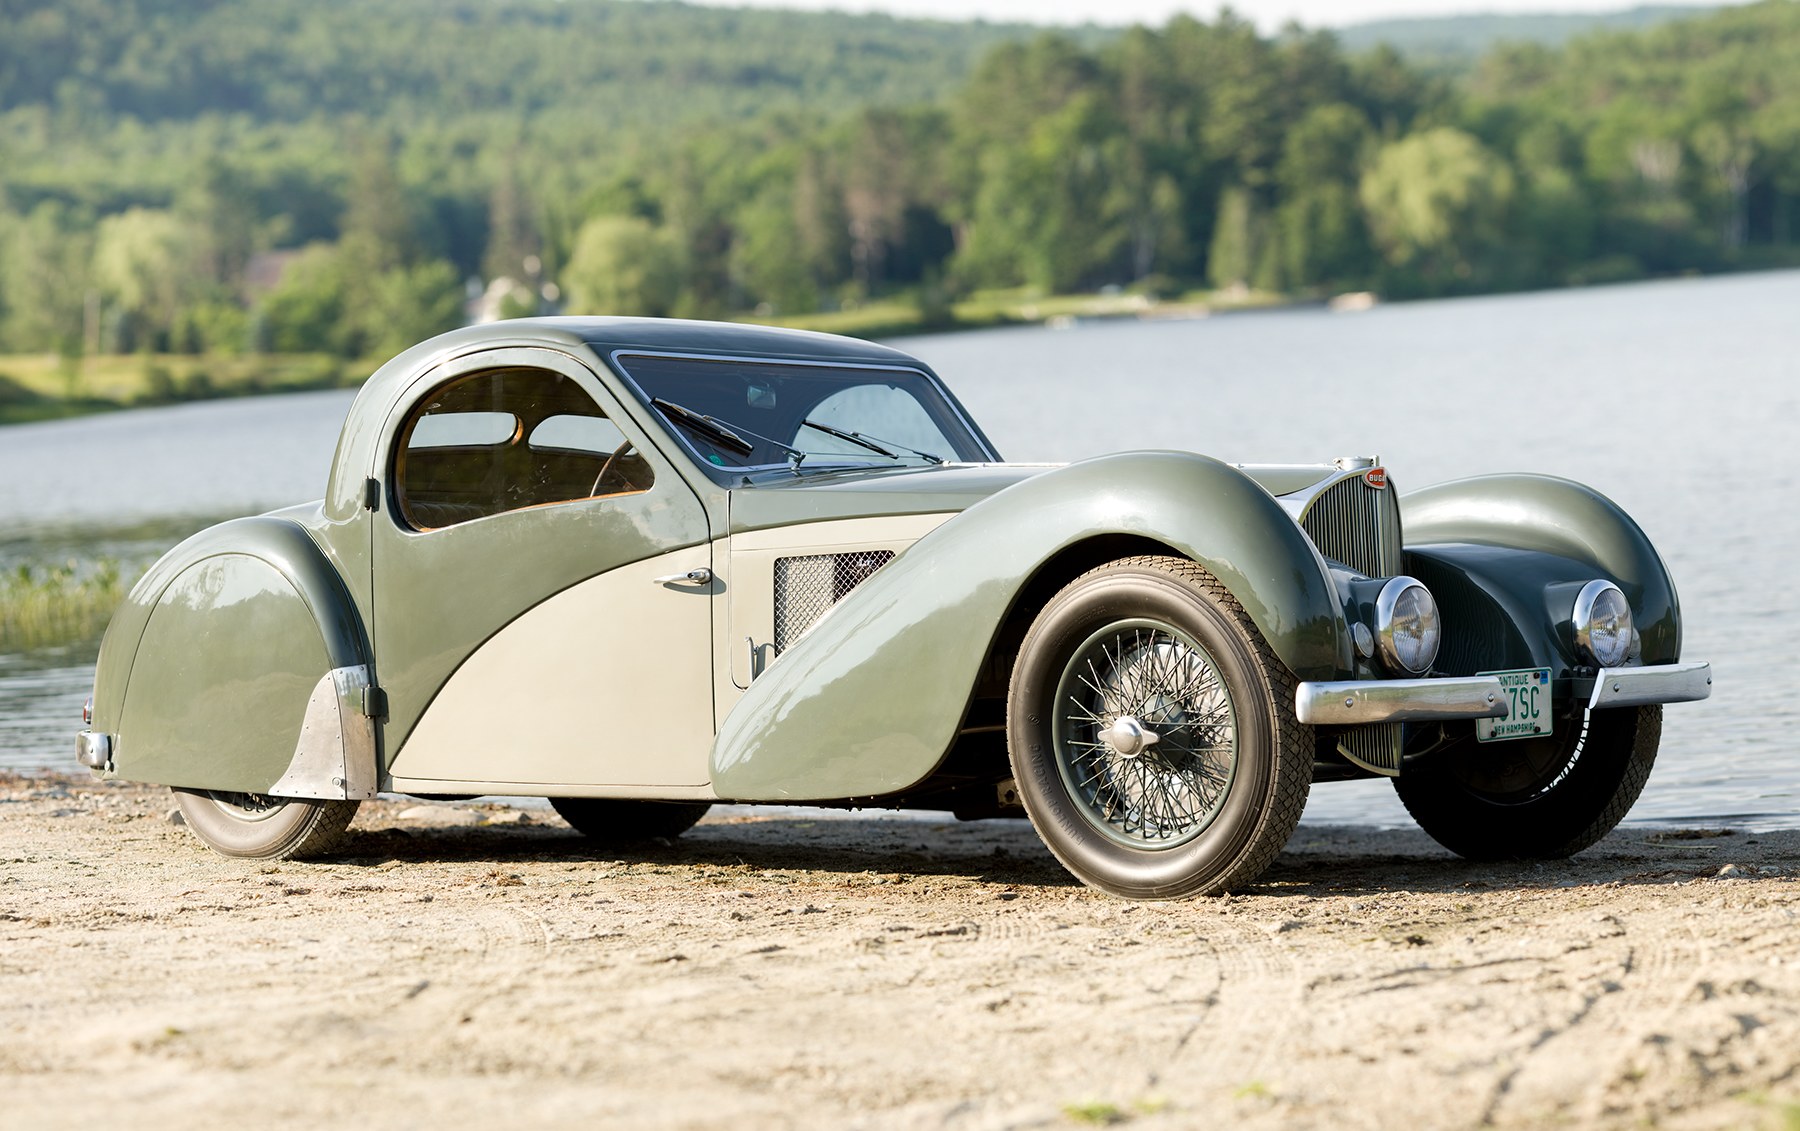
[{"x": 476, "y": 964}]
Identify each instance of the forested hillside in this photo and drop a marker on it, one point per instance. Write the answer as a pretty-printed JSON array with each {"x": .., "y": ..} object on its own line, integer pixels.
[
  {"x": 1459, "y": 40},
  {"x": 284, "y": 176}
]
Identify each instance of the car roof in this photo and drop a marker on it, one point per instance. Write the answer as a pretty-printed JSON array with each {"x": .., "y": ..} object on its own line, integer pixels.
[
  {"x": 603, "y": 336},
  {"x": 611, "y": 335}
]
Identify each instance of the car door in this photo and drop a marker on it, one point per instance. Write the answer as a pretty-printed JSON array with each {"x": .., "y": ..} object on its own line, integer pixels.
[{"x": 520, "y": 633}]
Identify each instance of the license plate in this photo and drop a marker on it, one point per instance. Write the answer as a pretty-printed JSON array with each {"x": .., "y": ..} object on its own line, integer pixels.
[{"x": 1526, "y": 693}]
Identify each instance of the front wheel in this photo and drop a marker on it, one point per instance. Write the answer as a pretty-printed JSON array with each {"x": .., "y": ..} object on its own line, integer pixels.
[
  {"x": 1152, "y": 733},
  {"x": 257, "y": 827},
  {"x": 1537, "y": 798}
]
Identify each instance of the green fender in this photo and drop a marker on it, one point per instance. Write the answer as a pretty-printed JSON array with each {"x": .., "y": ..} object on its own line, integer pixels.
[
  {"x": 236, "y": 642},
  {"x": 871, "y": 699},
  {"x": 1505, "y": 556}
]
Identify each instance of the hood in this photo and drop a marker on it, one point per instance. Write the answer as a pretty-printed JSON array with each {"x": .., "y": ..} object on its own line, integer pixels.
[
  {"x": 938, "y": 489},
  {"x": 943, "y": 488}
]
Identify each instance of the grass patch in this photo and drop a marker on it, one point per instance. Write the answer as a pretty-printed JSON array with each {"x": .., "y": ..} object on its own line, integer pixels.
[
  {"x": 44, "y": 387},
  {"x": 57, "y": 605},
  {"x": 1096, "y": 1112}
]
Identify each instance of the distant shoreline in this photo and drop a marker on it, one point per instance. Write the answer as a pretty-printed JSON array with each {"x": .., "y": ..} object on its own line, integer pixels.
[{"x": 36, "y": 387}]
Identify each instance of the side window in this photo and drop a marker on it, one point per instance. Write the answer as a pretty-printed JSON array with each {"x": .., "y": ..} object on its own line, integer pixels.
[{"x": 504, "y": 440}]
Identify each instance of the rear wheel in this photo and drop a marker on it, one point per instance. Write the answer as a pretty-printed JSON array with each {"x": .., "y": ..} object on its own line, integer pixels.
[
  {"x": 1152, "y": 734},
  {"x": 258, "y": 827},
  {"x": 1536, "y": 797},
  {"x": 614, "y": 821}
]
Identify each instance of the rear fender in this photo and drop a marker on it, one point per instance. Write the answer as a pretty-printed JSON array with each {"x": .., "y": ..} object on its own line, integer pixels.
[
  {"x": 1506, "y": 556},
  {"x": 869, "y": 701},
  {"x": 239, "y": 664}
]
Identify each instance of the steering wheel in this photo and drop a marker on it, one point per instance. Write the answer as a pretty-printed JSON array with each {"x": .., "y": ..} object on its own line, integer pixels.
[{"x": 608, "y": 466}]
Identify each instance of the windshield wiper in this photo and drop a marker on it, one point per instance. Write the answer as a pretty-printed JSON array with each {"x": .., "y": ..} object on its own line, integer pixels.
[
  {"x": 705, "y": 425},
  {"x": 852, "y": 437},
  {"x": 863, "y": 438},
  {"x": 722, "y": 433}
]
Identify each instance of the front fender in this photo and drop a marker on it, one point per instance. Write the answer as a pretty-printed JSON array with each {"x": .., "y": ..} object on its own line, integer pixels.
[
  {"x": 869, "y": 701},
  {"x": 235, "y": 664},
  {"x": 1506, "y": 554}
]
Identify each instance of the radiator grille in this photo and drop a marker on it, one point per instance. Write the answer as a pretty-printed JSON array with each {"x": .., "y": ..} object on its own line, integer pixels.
[
  {"x": 1358, "y": 525},
  {"x": 806, "y": 588}
]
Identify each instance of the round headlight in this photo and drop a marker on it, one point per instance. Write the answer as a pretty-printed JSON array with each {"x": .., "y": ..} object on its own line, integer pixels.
[
  {"x": 1406, "y": 623},
  {"x": 1603, "y": 623}
]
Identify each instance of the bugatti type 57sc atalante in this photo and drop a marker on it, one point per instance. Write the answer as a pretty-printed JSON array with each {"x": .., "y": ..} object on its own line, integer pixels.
[{"x": 641, "y": 566}]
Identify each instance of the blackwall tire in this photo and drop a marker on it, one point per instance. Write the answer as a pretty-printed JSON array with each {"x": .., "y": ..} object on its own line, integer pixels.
[
  {"x": 255, "y": 827},
  {"x": 1535, "y": 798},
  {"x": 613, "y": 821},
  {"x": 1205, "y": 805}
]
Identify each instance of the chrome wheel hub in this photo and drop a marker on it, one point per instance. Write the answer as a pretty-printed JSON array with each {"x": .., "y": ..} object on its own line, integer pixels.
[
  {"x": 1145, "y": 734},
  {"x": 1128, "y": 737}
]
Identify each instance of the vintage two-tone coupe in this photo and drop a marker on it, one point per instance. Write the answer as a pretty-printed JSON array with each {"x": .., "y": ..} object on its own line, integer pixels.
[{"x": 640, "y": 566}]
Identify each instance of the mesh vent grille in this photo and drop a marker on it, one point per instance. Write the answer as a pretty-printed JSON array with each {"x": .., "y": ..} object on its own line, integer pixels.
[
  {"x": 1358, "y": 525},
  {"x": 806, "y": 588},
  {"x": 1376, "y": 747}
]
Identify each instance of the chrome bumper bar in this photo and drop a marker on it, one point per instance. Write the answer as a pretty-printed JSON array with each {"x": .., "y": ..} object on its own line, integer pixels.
[
  {"x": 1399, "y": 700},
  {"x": 1353, "y": 702},
  {"x": 1663, "y": 683},
  {"x": 93, "y": 749}
]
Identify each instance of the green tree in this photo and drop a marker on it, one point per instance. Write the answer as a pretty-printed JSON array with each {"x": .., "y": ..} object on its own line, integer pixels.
[
  {"x": 1437, "y": 204},
  {"x": 406, "y": 305},
  {"x": 50, "y": 300},
  {"x": 624, "y": 265},
  {"x": 305, "y": 312},
  {"x": 1319, "y": 224},
  {"x": 146, "y": 272},
  {"x": 1238, "y": 242}
]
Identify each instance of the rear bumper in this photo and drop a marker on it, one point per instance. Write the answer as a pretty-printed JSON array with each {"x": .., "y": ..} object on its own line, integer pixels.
[
  {"x": 93, "y": 749},
  {"x": 1361, "y": 701}
]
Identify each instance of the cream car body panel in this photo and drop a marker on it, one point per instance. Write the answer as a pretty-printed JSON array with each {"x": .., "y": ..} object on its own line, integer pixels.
[
  {"x": 750, "y": 633},
  {"x": 559, "y": 697}
]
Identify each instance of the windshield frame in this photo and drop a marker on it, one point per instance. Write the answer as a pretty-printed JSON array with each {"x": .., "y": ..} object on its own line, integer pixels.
[{"x": 733, "y": 475}]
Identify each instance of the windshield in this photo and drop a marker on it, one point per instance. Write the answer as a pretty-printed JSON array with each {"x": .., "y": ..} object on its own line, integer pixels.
[{"x": 737, "y": 416}]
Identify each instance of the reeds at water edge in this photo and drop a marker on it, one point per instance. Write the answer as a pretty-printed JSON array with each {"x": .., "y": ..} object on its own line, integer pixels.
[{"x": 49, "y": 605}]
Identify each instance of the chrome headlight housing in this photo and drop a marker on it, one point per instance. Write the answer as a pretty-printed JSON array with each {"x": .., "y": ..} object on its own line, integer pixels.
[
  {"x": 1602, "y": 621},
  {"x": 1407, "y": 625}
]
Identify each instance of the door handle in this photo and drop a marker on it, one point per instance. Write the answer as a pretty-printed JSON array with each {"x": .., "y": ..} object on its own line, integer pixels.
[{"x": 701, "y": 576}]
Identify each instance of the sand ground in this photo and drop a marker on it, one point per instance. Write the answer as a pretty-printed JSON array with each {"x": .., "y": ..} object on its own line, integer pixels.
[{"x": 458, "y": 968}]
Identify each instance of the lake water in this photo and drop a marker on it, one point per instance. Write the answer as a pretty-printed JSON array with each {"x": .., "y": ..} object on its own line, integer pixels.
[{"x": 1677, "y": 399}]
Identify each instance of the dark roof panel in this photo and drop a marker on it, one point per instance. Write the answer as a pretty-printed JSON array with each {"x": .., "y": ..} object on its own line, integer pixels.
[{"x": 607, "y": 335}]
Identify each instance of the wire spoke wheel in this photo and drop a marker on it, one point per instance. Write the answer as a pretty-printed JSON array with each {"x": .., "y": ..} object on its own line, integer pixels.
[
  {"x": 1151, "y": 732},
  {"x": 1146, "y": 736}
]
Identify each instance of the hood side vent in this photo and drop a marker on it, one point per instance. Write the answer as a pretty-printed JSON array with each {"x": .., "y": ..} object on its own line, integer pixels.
[{"x": 807, "y": 588}]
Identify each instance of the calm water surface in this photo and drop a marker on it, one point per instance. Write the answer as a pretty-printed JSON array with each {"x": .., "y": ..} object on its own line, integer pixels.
[{"x": 1677, "y": 399}]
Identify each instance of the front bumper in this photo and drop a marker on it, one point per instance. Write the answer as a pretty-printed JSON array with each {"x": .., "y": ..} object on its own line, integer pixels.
[{"x": 1359, "y": 701}]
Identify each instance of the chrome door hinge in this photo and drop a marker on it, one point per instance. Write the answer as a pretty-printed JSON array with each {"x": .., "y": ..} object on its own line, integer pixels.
[{"x": 371, "y": 494}]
